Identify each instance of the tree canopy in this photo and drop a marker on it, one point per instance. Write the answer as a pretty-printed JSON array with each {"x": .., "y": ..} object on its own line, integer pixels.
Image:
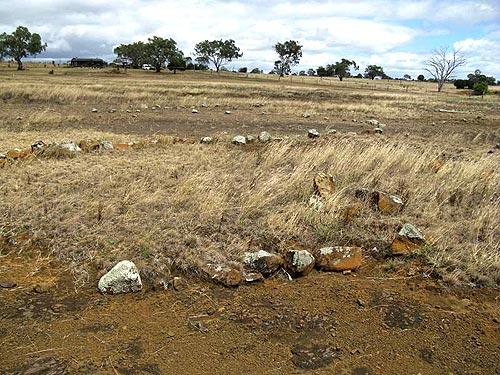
[
  {"x": 289, "y": 54},
  {"x": 217, "y": 52},
  {"x": 133, "y": 54},
  {"x": 373, "y": 71},
  {"x": 20, "y": 44}
]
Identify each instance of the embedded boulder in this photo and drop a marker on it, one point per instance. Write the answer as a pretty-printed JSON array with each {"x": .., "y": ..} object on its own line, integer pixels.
[
  {"x": 408, "y": 239},
  {"x": 262, "y": 261},
  {"x": 339, "y": 258},
  {"x": 223, "y": 274},
  {"x": 122, "y": 278},
  {"x": 206, "y": 140},
  {"x": 313, "y": 133},
  {"x": 388, "y": 203},
  {"x": 299, "y": 262},
  {"x": 239, "y": 140},
  {"x": 264, "y": 137}
]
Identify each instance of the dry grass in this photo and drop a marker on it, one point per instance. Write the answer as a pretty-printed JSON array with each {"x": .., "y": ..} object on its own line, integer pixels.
[
  {"x": 180, "y": 205},
  {"x": 188, "y": 204}
]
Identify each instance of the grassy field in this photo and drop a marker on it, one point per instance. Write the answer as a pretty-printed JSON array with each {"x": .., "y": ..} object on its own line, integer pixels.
[{"x": 172, "y": 205}]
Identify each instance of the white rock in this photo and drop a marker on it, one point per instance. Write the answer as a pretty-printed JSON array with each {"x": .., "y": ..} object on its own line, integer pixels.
[
  {"x": 239, "y": 140},
  {"x": 227, "y": 112},
  {"x": 313, "y": 133},
  {"x": 194, "y": 111},
  {"x": 250, "y": 138},
  {"x": 70, "y": 146},
  {"x": 206, "y": 140},
  {"x": 373, "y": 122},
  {"x": 94, "y": 110},
  {"x": 299, "y": 262},
  {"x": 122, "y": 278},
  {"x": 264, "y": 137},
  {"x": 378, "y": 130},
  {"x": 105, "y": 145},
  {"x": 411, "y": 232}
]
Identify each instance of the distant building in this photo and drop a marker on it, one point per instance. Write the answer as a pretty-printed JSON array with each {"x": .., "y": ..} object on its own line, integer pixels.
[{"x": 79, "y": 62}]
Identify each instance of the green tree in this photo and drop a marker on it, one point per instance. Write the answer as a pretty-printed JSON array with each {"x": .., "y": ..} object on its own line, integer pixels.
[
  {"x": 321, "y": 71},
  {"x": 134, "y": 53},
  {"x": 20, "y": 44},
  {"x": 160, "y": 51},
  {"x": 421, "y": 78},
  {"x": 373, "y": 71},
  {"x": 480, "y": 88},
  {"x": 407, "y": 77},
  {"x": 342, "y": 68},
  {"x": 289, "y": 53},
  {"x": 217, "y": 52},
  {"x": 177, "y": 62},
  {"x": 256, "y": 71}
]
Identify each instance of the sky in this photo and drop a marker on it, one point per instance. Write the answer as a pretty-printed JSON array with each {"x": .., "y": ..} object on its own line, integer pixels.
[{"x": 396, "y": 34}]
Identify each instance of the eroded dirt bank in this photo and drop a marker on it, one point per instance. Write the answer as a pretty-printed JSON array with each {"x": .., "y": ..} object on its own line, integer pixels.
[{"x": 323, "y": 324}]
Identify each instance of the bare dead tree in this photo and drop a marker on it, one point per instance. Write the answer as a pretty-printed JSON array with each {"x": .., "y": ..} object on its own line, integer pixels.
[{"x": 442, "y": 64}]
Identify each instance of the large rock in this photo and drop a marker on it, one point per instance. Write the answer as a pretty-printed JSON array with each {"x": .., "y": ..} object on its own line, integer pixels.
[
  {"x": 122, "y": 278},
  {"x": 339, "y": 258},
  {"x": 299, "y": 262},
  {"x": 264, "y": 137},
  {"x": 206, "y": 140},
  {"x": 18, "y": 153},
  {"x": 408, "y": 239},
  {"x": 324, "y": 185},
  {"x": 69, "y": 146},
  {"x": 105, "y": 145},
  {"x": 373, "y": 122},
  {"x": 239, "y": 140},
  {"x": 223, "y": 274},
  {"x": 262, "y": 261}
]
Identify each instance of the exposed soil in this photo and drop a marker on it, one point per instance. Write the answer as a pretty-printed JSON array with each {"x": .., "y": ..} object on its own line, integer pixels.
[{"x": 324, "y": 323}]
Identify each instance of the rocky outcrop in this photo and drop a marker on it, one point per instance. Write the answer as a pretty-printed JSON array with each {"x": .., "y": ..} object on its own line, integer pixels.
[
  {"x": 122, "y": 278},
  {"x": 299, "y": 262},
  {"x": 262, "y": 261},
  {"x": 339, "y": 258}
]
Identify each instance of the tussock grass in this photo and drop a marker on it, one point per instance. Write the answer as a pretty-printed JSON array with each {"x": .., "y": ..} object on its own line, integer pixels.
[{"x": 180, "y": 205}]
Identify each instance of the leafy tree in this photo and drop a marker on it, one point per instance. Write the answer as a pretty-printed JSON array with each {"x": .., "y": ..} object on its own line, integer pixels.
[
  {"x": 342, "y": 68},
  {"x": 160, "y": 51},
  {"x": 480, "y": 88},
  {"x": 177, "y": 62},
  {"x": 461, "y": 83},
  {"x": 289, "y": 54},
  {"x": 359, "y": 75},
  {"x": 322, "y": 72},
  {"x": 302, "y": 73},
  {"x": 311, "y": 72},
  {"x": 243, "y": 70},
  {"x": 20, "y": 44},
  {"x": 442, "y": 64},
  {"x": 479, "y": 77},
  {"x": 421, "y": 78},
  {"x": 134, "y": 54},
  {"x": 256, "y": 71},
  {"x": 407, "y": 77},
  {"x": 373, "y": 71},
  {"x": 217, "y": 52}
]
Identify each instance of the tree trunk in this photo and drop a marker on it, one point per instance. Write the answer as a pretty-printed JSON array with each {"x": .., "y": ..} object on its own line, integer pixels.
[
  {"x": 341, "y": 78},
  {"x": 158, "y": 69},
  {"x": 440, "y": 86},
  {"x": 19, "y": 64}
]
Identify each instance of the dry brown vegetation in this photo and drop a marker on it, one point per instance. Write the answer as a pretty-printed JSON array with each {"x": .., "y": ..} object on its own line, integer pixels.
[{"x": 169, "y": 206}]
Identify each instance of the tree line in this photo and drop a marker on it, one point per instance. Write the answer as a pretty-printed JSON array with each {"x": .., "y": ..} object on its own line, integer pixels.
[{"x": 161, "y": 53}]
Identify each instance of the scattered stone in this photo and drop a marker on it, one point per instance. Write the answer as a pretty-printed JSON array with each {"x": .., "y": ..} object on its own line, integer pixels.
[
  {"x": 299, "y": 262},
  {"x": 331, "y": 131},
  {"x": 378, "y": 130},
  {"x": 206, "y": 140},
  {"x": 407, "y": 240},
  {"x": 373, "y": 122},
  {"x": 194, "y": 111},
  {"x": 8, "y": 284},
  {"x": 112, "y": 110},
  {"x": 250, "y": 138},
  {"x": 227, "y": 112},
  {"x": 252, "y": 277},
  {"x": 339, "y": 258},
  {"x": 37, "y": 147},
  {"x": 105, "y": 145},
  {"x": 122, "y": 278},
  {"x": 94, "y": 110},
  {"x": 264, "y": 137},
  {"x": 222, "y": 274},
  {"x": 313, "y": 133},
  {"x": 388, "y": 203},
  {"x": 19, "y": 118},
  {"x": 354, "y": 120},
  {"x": 306, "y": 115},
  {"x": 313, "y": 355},
  {"x": 239, "y": 140},
  {"x": 262, "y": 261},
  {"x": 360, "y": 302},
  {"x": 70, "y": 146},
  {"x": 324, "y": 185},
  {"x": 144, "y": 106}
]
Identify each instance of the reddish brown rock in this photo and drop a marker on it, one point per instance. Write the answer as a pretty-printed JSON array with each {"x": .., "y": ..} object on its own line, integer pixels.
[
  {"x": 122, "y": 146},
  {"x": 339, "y": 258},
  {"x": 388, "y": 203},
  {"x": 407, "y": 240},
  {"x": 299, "y": 262},
  {"x": 262, "y": 261},
  {"x": 17, "y": 153},
  {"x": 223, "y": 274}
]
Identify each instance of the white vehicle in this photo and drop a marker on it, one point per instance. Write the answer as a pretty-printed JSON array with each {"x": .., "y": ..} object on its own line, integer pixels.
[{"x": 147, "y": 67}]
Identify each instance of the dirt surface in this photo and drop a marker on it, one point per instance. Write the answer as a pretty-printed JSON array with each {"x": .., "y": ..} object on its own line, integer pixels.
[{"x": 323, "y": 324}]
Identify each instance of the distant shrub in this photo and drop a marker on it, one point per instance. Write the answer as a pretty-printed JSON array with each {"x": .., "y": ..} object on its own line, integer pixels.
[
  {"x": 480, "y": 88},
  {"x": 243, "y": 70},
  {"x": 51, "y": 71},
  {"x": 461, "y": 83},
  {"x": 421, "y": 77}
]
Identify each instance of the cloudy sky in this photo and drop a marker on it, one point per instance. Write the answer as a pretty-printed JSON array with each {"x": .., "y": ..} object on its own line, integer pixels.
[{"x": 396, "y": 34}]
